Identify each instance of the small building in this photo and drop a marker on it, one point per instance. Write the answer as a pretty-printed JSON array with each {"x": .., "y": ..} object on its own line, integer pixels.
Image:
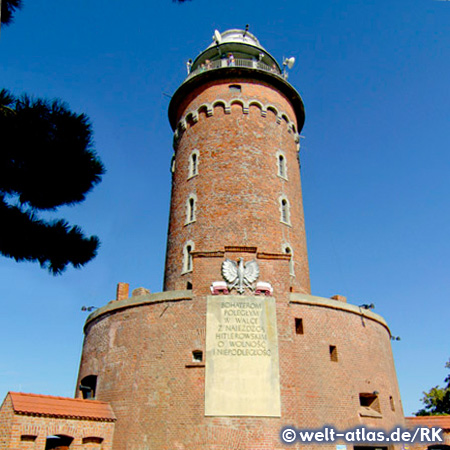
[
  {"x": 442, "y": 422},
  {"x": 45, "y": 422}
]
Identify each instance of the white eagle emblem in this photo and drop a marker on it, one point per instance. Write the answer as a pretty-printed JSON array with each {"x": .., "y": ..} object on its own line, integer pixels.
[{"x": 239, "y": 276}]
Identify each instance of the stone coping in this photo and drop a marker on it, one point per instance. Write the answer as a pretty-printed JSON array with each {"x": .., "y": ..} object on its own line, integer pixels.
[
  {"x": 312, "y": 300},
  {"x": 176, "y": 296},
  {"x": 138, "y": 300}
]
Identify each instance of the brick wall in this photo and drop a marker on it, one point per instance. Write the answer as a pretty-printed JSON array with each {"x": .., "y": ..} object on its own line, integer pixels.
[
  {"x": 13, "y": 426},
  {"x": 6, "y": 418},
  {"x": 143, "y": 358},
  {"x": 237, "y": 189}
]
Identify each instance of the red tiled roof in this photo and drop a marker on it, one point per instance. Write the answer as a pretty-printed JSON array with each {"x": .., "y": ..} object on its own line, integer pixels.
[
  {"x": 429, "y": 421},
  {"x": 47, "y": 405}
]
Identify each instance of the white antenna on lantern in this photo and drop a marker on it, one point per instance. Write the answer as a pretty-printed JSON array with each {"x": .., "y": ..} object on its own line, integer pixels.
[
  {"x": 289, "y": 62},
  {"x": 217, "y": 37}
]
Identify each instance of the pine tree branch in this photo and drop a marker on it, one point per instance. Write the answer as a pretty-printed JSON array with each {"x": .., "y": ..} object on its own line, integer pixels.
[
  {"x": 54, "y": 245},
  {"x": 47, "y": 156},
  {"x": 8, "y": 9}
]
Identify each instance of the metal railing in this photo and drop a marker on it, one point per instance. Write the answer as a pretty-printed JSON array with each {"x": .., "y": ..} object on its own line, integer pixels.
[{"x": 224, "y": 63}]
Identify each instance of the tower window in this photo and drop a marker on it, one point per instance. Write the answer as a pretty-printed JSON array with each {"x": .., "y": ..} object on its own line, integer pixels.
[
  {"x": 298, "y": 326},
  {"x": 285, "y": 211},
  {"x": 191, "y": 209},
  {"x": 191, "y": 206},
  {"x": 88, "y": 386},
  {"x": 281, "y": 165},
  {"x": 197, "y": 356},
  {"x": 187, "y": 257},
  {"x": 333, "y": 353},
  {"x": 235, "y": 88},
  {"x": 193, "y": 163}
]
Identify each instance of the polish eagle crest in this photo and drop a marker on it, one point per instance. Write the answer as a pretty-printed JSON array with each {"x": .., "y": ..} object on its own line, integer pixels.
[{"x": 240, "y": 276}]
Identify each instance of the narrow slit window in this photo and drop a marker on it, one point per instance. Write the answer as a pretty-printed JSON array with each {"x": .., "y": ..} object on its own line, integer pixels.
[
  {"x": 333, "y": 353},
  {"x": 391, "y": 401},
  {"x": 285, "y": 211},
  {"x": 298, "y": 326},
  {"x": 194, "y": 164},
  {"x": 191, "y": 206},
  {"x": 188, "y": 258},
  {"x": 281, "y": 166},
  {"x": 191, "y": 209}
]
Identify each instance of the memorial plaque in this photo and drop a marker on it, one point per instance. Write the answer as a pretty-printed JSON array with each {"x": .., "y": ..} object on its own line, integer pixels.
[{"x": 242, "y": 371}]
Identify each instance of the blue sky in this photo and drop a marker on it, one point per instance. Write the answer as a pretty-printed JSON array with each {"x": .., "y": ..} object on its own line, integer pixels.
[{"x": 374, "y": 76}]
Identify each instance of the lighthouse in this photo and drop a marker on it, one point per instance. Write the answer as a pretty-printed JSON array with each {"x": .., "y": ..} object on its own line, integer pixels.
[
  {"x": 236, "y": 177},
  {"x": 235, "y": 347}
]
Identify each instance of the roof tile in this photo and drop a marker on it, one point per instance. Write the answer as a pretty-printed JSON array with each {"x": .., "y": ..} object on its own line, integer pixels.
[
  {"x": 429, "y": 421},
  {"x": 47, "y": 405}
]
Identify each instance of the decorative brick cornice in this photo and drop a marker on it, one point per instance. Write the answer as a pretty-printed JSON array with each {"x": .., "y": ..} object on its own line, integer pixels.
[
  {"x": 237, "y": 249},
  {"x": 272, "y": 256},
  {"x": 218, "y": 254},
  {"x": 192, "y": 115}
]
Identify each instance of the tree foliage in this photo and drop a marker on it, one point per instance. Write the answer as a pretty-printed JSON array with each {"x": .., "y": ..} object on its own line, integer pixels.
[
  {"x": 437, "y": 399},
  {"x": 8, "y": 9},
  {"x": 46, "y": 161}
]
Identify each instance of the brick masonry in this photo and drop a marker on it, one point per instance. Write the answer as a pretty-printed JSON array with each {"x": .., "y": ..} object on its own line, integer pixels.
[
  {"x": 143, "y": 357},
  {"x": 442, "y": 422},
  {"x": 30, "y": 432},
  {"x": 237, "y": 188}
]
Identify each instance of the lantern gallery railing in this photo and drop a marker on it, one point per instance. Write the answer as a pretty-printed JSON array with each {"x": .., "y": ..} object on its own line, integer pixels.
[{"x": 225, "y": 63}]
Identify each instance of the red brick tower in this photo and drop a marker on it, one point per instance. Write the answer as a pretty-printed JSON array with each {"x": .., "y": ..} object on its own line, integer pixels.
[
  {"x": 236, "y": 177},
  {"x": 235, "y": 347}
]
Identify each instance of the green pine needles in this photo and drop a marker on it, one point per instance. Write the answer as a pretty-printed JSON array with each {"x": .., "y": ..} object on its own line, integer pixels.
[{"x": 47, "y": 160}]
